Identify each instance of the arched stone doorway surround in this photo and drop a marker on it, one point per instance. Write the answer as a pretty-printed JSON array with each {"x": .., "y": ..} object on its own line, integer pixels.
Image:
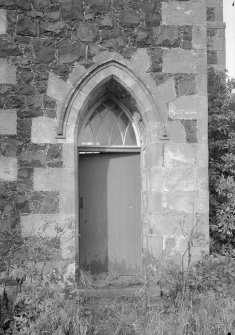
[
  {"x": 73, "y": 110},
  {"x": 73, "y": 113}
]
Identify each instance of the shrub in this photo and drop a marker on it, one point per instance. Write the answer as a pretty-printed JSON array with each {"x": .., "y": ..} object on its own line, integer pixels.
[{"x": 221, "y": 163}]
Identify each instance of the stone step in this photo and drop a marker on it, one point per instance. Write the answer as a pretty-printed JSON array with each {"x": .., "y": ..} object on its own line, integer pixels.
[{"x": 123, "y": 293}]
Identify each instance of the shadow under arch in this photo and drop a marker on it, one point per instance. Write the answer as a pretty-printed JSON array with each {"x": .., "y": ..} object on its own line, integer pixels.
[{"x": 75, "y": 106}]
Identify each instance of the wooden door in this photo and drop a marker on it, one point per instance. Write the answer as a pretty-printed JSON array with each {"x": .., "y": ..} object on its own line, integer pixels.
[{"x": 110, "y": 212}]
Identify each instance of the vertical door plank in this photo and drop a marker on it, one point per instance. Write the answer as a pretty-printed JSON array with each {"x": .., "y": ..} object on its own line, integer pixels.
[
  {"x": 110, "y": 220},
  {"x": 93, "y": 242},
  {"x": 124, "y": 214}
]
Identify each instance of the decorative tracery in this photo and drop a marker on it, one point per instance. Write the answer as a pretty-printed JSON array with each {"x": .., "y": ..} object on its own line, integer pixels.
[{"x": 108, "y": 125}]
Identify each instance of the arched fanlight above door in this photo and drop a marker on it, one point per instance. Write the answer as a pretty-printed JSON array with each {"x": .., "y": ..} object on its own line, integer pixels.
[{"x": 108, "y": 126}]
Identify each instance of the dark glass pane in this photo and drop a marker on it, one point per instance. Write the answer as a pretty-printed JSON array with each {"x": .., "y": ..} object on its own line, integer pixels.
[
  {"x": 93, "y": 115},
  {"x": 123, "y": 122},
  {"x": 100, "y": 108},
  {"x": 109, "y": 103},
  {"x": 102, "y": 111},
  {"x": 130, "y": 136},
  {"x": 116, "y": 138},
  {"x": 109, "y": 120},
  {"x": 113, "y": 107},
  {"x": 95, "y": 124},
  {"x": 102, "y": 137},
  {"x": 86, "y": 136}
]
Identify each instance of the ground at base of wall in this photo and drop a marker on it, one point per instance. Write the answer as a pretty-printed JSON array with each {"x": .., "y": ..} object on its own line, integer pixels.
[{"x": 67, "y": 313}]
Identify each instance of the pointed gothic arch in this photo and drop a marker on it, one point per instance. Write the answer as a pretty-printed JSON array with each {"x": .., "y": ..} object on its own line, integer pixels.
[
  {"x": 109, "y": 124},
  {"x": 74, "y": 108},
  {"x": 75, "y": 112}
]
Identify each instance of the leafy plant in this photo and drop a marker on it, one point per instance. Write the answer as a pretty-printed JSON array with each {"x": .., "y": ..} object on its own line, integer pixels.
[
  {"x": 221, "y": 162},
  {"x": 30, "y": 254}
]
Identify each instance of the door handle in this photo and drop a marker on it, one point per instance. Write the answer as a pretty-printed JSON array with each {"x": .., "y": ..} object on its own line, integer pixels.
[{"x": 81, "y": 202}]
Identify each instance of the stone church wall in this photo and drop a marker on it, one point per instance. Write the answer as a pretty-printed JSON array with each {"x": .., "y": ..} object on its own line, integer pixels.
[
  {"x": 46, "y": 47},
  {"x": 215, "y": 34}
]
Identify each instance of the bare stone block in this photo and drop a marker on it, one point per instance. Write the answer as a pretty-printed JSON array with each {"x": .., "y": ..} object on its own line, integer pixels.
[
  {"x": 71, "y": 9},
  {"x": 186, "y": 202},
  {"x": 107, "y": 21},
  {"x": 200, "y": 57},
  {"x": 3, "y": 21},
  {"x": 221, "y": 57},
  {"x": 155, "y": 245},
  {"x": 129, "y": 18},
  {"x": 179, "y": 61},
  {"x": 35, "y": 223},
  {"x": 176, "y": 131},
  {"x": 154, "y": 155},
  {"x": 87, "y": 32},
  {"x": 199, "y": 37},
  {"x": 179, "y": 154},
  {"x": 216, "y": 39},
  {"x": 202, "y": 154},
  {"x": 7, "y": 72},
  {"x": 44, "y": 50},
  {"x": 99, "y": 6},
  {"x": 180, "y": 201},
  {"x": 77, "y": 73},
  {"x": 173, "y": 179},
  {"x": 191, "y": 130},
  {"x": 8, "y": 122},
  {"x": 210, "y": 14},
  {"x": 165, "y": 93},
  {"x": 187, "y": 107},
  {"x": 57, "y": 88},
  {"x": 217, "y": 5},
  {"x": 67, "y": 243},
  {"x": 163, "y": 223},
  {"x": 154, "y": 202},
  {"x": 203, "y": 178},
  {"x": 183, "y": 13},
  {"x": 202, "y": 201},
  {"x": 26, "y": 26},
  {"x": 185, "y": 84},
  {"x": 167, "y": 36},
  {"x": 201, "y": 81},
  {"x": 50, "y": 179},
  {"x": 174, "y": 246},
  {"x": 52, "y": 27},
  {"x": 174, "y": 224},
  {"x": 8, "y": 168},
  {"x": 67, "y": 203},
  {"x": 43, "y": 130}
]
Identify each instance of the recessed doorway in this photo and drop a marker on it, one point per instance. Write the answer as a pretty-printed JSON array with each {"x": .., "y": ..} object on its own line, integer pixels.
[{"x": 109, "y": 192}]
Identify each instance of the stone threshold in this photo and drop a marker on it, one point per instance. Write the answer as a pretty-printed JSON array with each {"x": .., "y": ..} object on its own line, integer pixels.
[{"x": 123, "y": 294}]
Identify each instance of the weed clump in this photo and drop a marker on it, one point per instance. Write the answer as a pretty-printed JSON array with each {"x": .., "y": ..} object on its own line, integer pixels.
[{"x": 200, "y": 301}]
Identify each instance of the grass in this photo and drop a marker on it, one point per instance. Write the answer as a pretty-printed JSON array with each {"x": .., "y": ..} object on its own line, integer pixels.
[
  {"x": 205, "y": 314},
  {"x": 198, "y": 309},
  {"x": 194, "y": 313}
]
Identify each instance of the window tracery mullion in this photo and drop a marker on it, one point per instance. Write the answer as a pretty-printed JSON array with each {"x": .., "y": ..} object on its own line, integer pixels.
[
  {"x": 127, "y": 129},
  {"x": 89, "y": 124},
  {"x": 112, "y": 129},
  {"x": 115, "y": 123},
  {"x": 119, "y": 127},
  {"x": 108, "y": 132},
  {"x": 91, "y": 132},
  {"x": 101, "y": 123}
]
